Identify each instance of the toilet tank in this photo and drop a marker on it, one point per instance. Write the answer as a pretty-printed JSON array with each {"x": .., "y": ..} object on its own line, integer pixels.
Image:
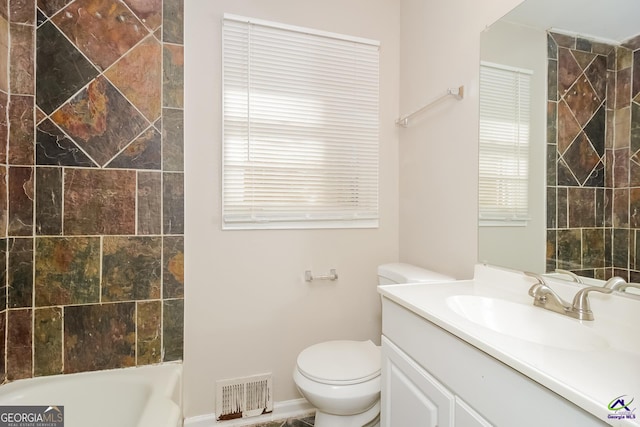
[{"x": 398, "y": 272}]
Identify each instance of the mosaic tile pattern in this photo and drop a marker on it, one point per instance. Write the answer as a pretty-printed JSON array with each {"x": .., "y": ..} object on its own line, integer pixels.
[
  {"x": 137, "y": 80},
  {"x": 62, "y": 69},
  {"x": 142, "y": 153},
  {"x": 103, "y": 30},
  {"x": 50, "y": 7},
  {"x": 91, "y": 185},
  {"x": 593, "y": 168},
  {"x": 94, "y": 120},
  {"x": 55, "y": 148},
  {"x": 150, "y": 13}
]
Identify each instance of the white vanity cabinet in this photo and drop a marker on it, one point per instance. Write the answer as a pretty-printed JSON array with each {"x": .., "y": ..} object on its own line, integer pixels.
[
  {"x": 465, "y": 416},
  {"x": 430, "y": 377},
  {"x": 410, "y": 393}
]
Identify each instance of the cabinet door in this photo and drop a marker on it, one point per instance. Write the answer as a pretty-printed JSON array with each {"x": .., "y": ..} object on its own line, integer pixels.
[
  {"x": 465, "y": 416},
  {"x": 410, "y": 396}
]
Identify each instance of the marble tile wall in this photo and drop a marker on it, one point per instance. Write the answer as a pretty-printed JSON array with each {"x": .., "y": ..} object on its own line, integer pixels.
[
  {"x": 91, "y": 192},
  {"x": 593, "y": 174}
]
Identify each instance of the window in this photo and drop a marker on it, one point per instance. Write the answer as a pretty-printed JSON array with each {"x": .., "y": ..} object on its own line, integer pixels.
[
  {"x": 504, "y": 145},
  {"x": 300, "y": 127}
]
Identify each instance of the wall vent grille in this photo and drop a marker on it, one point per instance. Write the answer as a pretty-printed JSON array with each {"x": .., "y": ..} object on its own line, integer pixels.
[{"x": 244, "y": 397}]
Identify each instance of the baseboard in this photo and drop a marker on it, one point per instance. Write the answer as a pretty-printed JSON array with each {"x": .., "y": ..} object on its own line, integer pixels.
[{"x": 281, "y": 410}]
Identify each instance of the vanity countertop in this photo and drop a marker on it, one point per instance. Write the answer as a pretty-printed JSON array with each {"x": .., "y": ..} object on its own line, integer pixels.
[{"x": 593, "y": 364}]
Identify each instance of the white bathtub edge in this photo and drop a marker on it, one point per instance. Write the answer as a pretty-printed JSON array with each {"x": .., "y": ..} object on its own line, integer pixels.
[
  {"x": 281, "y": 410},
  {"x": 155, "y": 390}
]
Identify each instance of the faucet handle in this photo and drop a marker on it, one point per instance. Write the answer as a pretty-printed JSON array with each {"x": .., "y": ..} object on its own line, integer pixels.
[
  {"x": 545, "y": 297},
  {"x": 533, "y": 290},
  {"x": 615, "y": 283},
  {"x": 571, "y": 274},
  {"x": 619, "y": 284},
  {"x": 535, "y": 276},
  {"x": 581, "y": 307}
]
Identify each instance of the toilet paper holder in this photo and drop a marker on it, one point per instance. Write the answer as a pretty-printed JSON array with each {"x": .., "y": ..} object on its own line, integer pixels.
[{"x": 309, "y": 277}]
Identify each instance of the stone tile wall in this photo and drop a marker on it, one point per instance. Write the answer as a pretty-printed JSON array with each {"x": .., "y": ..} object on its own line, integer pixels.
[
  {"x": 593, "y": 160},
  {"x": 91, "y": 185}
]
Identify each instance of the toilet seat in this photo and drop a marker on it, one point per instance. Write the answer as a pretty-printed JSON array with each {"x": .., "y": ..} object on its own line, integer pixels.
[{"x": 340, "y": 362}]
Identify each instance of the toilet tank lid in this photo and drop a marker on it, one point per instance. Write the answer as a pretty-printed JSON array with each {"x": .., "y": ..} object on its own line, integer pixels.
[
  {"x": 340, "y": 362},
  {"x": 399, "y": 272}
]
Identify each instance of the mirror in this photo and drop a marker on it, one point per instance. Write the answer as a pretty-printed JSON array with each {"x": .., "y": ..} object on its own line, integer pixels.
[{"x": 584, "y": 158}]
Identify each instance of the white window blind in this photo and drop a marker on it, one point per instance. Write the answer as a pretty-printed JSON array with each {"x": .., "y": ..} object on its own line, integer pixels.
[
  {"x": 504, "y": 144},
  {"x": 300, "y": 127}
]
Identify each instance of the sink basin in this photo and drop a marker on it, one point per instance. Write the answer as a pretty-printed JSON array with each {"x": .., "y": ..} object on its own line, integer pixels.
[{"x": 526, "y": 322}]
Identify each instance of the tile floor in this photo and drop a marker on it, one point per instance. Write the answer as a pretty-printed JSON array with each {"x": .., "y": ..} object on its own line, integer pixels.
[{"x": 305, "y": 421}]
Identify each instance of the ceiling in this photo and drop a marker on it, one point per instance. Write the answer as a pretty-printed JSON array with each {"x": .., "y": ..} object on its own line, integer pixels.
[{"x": 606, "y": 20}]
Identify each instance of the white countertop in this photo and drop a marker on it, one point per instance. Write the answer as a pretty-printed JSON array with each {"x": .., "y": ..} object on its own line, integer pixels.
[{"x": 593, "y": 364}]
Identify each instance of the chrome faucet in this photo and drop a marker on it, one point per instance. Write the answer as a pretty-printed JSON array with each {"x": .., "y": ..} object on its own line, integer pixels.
[
  {"x": 571, "y": 274},
  {"x": 619, "y": 284},
  {"x": 580, "y": 306},
  {"x": 545, "y": 297},
  {"x": 615, "y": 283}
]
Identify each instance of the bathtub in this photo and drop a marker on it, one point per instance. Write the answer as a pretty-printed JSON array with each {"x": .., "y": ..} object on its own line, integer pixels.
[{"x": 149, "y": 396}]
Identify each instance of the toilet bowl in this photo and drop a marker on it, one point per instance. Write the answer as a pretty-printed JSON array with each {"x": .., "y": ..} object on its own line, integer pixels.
[{"x": 341, "y": 379}]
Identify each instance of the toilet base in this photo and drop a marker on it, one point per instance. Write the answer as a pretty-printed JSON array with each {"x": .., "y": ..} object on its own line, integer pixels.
[{"x": 368, "y": 418}]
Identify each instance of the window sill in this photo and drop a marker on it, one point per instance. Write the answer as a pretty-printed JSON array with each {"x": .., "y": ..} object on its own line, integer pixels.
[
  {"x": 503, "y": 222},
  {"x": 300, "y": 225}
]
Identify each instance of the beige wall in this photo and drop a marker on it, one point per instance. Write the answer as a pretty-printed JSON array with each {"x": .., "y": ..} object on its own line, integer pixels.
[
  {"x": 247, "y": 307},
  {"x": 439, "y": 152}
]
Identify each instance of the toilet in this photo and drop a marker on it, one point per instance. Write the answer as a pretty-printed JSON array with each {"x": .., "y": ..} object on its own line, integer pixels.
[{"x": 341, "y": 378}]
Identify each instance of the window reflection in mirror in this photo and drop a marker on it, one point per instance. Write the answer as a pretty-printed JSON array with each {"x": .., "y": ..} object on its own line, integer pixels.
[
  {"x": 584, "y": 160},
  {"x": 518, "y": 245}
]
